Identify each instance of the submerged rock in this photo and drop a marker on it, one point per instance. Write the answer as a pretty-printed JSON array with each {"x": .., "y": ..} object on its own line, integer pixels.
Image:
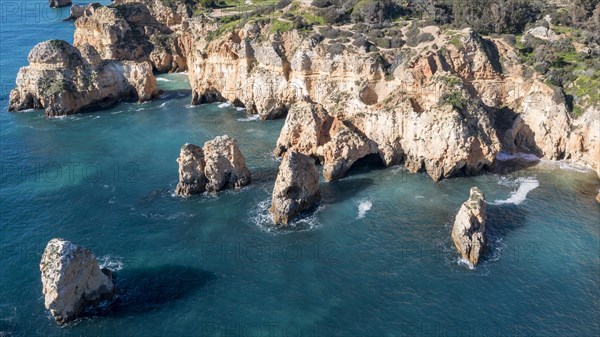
[
  {"x": 217, "y": 166},
  {"x": 72, "y": 280},
  {"x": 296, "y": 188},
  {"x": 468, "y": 232},
  {"x": 225, "y": 164},
  {"x": 63, "y": 82},
  {"x": 191, "y": 171},
  {"x": 59, "y": 3}
]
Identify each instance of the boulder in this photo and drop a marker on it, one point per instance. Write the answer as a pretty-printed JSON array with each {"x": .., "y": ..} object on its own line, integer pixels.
[
  {"x": 191, "y": 171},
  {"x": 296, "y": 188},
  {"x": 542, "y": 33},
  {"x": 59, "y": 3},
  {"x": 225, "y": 164},
  {"x": 72, "y": 280},
  {"x": 468, "y": 232},
  {"x": 217, "y": 166}
]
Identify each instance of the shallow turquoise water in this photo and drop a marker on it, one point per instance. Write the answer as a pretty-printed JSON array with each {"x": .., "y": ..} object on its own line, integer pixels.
[{"x": 374, "y": 260}]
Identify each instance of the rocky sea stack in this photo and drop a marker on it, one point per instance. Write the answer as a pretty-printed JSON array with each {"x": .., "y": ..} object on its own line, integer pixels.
[
  {"x": 296, "y": 188},
  {"x": 64, "y": 80},
  {"x": 215, "y": 167},
  {"x": 468, "y": 232},
  {"x": 72, "y": 280}
]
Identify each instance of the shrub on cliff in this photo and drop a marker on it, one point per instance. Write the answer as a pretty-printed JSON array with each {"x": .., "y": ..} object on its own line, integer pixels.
[{"x": 375, "y": 11}]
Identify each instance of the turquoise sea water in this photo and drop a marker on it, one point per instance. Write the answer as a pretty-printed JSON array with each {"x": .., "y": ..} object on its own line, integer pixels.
[{"x": 375, "y": 259}]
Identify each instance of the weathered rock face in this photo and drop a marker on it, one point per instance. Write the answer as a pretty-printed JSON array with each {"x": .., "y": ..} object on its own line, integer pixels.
[
  {"x": 128, "y": 31},
  {"x": 59, "y": 3},
  {"x": 296, "y": 188},
  {"x": 311, "y": 130},
  {"x": 217, "y": 166},
  {"x": 191, "y": 171},
  {"x": 72, "y": 280},
  {"x": 225, "y": 164},
  {"x": 433, "y": 109},
  {"x": 170, "y": 13},
  {"x": 78, "y": 11},
  {"x": 468, "y": 232},
  {"x": 61, "y": 81}
]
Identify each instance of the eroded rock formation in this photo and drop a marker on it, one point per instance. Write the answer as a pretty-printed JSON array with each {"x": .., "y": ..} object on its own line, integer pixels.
[
  {"x": 191, "y": 170},
  {"x": 296, "y": 188},
  {"x": 129, "y": 31},
  {"x": 78, "y": 11},
  {"x": 225, "y": 164},
  {"x": 61, "y": 81},
  {"x": 468, "y": 232},
  {"x": 215, "y": 167},
  {"x": 72, "y": 280}
]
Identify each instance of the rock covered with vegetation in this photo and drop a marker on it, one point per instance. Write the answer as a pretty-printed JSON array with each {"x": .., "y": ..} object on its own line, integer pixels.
[{"x": 61, "y": 81}]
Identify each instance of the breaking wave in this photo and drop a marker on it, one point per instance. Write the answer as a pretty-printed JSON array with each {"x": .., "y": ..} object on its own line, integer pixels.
[{"x": 526, "y": 185}]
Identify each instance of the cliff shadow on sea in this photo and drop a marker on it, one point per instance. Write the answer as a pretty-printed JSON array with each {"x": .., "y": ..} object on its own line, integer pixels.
[{"x": 143, "y": 290}]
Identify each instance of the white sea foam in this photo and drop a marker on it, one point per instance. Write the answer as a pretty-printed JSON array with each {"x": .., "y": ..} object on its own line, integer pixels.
[
  {"x": 248, "y": 118},
  {"x": 526, "y": 185},
  {"x": 505, "y": 156},
  {"x": 113, "y": 263},
  {"x": 565, "y": 165},
  {"x": 263, "y": 219},
  {"x": 224, "y": 105},
  {"x": 162, "y": 79},
  {"x": 162, "y": 105},
  {"x": 363, "y": 207},
  {"x": 239, "y": 108},
  {"x": 464, "y": 262}
]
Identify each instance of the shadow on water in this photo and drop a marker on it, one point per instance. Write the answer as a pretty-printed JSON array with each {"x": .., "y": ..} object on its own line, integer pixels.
[
  {"x": 366, "y": 164},
  {"x": 500, "y": 222},
  {"x": 146, "y": 290},
  {"x": 344, "y": 189}
]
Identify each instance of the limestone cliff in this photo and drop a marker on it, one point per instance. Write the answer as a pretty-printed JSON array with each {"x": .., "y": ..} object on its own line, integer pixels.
[
  {"x": 447, "y": 107},
  {"x": 62, "y": 81},
  {"x": 129, "y": 31}
]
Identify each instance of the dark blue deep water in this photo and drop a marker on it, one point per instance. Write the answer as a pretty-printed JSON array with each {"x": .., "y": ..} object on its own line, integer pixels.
[{"x": 375, "y": 259}]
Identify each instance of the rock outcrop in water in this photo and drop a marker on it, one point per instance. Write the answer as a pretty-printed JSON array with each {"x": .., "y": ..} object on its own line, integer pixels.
[
  {"x": 72, "y": 280},
  {"x": 225, "y": 164},
  {"x": 191, "y": 170},
  {"x": 62, "y": 81},
  {"x": 468, "y": 232},
  {"x": 215, "y": 167},
  {"x": 59, "y": 3},
  {"x": 296, "y": 188}
]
